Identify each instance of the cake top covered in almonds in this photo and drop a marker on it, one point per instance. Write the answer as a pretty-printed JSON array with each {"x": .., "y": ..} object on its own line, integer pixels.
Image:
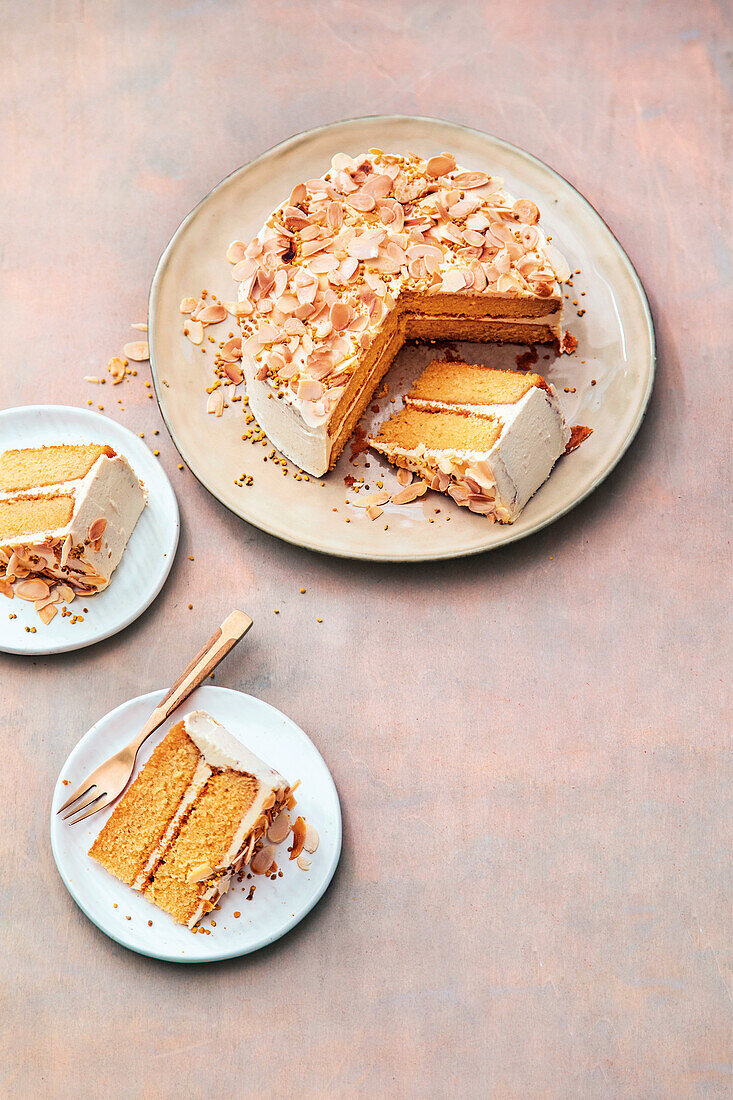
[{"x": 322, "y": 277}]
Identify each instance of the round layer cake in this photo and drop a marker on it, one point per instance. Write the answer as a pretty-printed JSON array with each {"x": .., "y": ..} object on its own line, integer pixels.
[{"x": 381, "y": 249}]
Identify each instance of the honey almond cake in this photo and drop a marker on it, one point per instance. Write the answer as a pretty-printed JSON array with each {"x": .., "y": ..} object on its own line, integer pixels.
[
  {"x": 487, "y": 438},
  {"x": 380, "y": 249},
  {"x": 66, "y": 514},
  {"x": 197, "y": 814}
]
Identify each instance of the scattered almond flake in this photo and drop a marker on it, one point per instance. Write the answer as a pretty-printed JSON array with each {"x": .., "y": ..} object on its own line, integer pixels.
[
  {"x": 188, "y": 305},
  {"x": 410, "y": 493},
  {"x": 375, "y": 498},
  {"x": 212, "y": 315},
  {"x": 96, "y": 529},
  {"x": 138, "y": 351},
  {"x": 236, "y": 251},
  {"x": 279, "y": 829},
  {"x": 263, "y": 860},
  {"x": 141, "y": 326},
  {"x": 298, "y": 838},
  {"x": 91, "y": 378},
  {"x": 194, "y": 330},
  {"x": 6, "y": 588},
  {"x": 116, "y": 368},
  {"x": 404, "y": 476},
  {"x": 32, "y": 589},
  {"x": 312, "y": 839},
  {"x": 374, "y": 512},
  {"x": 304, "y": 863},
  {"x": 215, "y": 404},
  {"x": 47, "y": 613}
]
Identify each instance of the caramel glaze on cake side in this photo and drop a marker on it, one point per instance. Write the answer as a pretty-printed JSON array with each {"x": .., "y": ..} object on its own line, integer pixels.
[{"x": 381, "y": 249}]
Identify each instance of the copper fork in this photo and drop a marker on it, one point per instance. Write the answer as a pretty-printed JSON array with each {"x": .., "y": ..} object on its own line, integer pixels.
[{"x": 108, "y": 781}]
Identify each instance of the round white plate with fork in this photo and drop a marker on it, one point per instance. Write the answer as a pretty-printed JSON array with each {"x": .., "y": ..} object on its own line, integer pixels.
[
  {"x": 147, "y": 559},
  {"x": 241, "y": 925}
]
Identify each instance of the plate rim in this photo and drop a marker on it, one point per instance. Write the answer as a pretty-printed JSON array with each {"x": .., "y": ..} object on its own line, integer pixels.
[
  {"x": 267, "y": 940},
  {"x": 311, "y": 544},
  {"x": 128, "y": 620}
]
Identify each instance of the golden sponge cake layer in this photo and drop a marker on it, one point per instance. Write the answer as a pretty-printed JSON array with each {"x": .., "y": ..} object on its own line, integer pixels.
[
  {"x": 21, "y": 516},
  {"x": 411, "y": 428},
  {"x": 471, "y": 384},
  {"x": 37, "y": 467}
]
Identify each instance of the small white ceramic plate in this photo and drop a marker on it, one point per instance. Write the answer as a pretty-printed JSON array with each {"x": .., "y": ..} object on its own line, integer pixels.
[
  {"x": 149, "y": 555},
  {"x": 276, "y": 906},
  {"x": 615, "y": 351}
]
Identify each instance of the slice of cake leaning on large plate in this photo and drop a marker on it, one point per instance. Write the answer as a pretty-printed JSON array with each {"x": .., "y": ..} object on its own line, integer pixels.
[
  {"x": 66, "y": 514},
  {"x": 381, "y": 249},
  {"x": 487, "y": 438}
]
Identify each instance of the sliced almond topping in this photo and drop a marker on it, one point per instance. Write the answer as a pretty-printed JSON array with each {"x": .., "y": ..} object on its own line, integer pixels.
[
  {"x": 298, "y": 838},
  {"x": 410, "y": 493},
  {"x": 200, "y": 873},
  {"x": 65, "y": 550},
  {"x": 404, "y": 476},
  {"x": 374, "y": 498},
  {"x": 263, "y": 860},
  {"x": 7, "y": 589},
  {"x": 304, "y": 863},
  {"x": 47, "y": 613},
  {"x": 137, "y": 351},
  {"x": 212, "y": 315},
  {"x": 141, "y": 326},
  {"x": 311, "y": 838},
  {"x": 32, "y": 589},
  {"x": 215, "y": 404},
  {"x": 374, "y": 512},
  {"x": 96, "y": 529},
  {"x": 188, "y": 305},
  {"x": 236, "y": 251},
  {"x": 279, "y": 829},
  {"x": 194, "y": 330},
  {"x": 116, "y": 368},
  {"x": 438, "y": 166}
]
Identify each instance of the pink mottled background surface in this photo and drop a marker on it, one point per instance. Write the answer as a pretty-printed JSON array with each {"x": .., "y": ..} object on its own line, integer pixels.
[{"x": 531, "y": 747}]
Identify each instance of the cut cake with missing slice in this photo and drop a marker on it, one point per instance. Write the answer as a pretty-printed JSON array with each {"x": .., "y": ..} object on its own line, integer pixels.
[
  {"x": 195, "y": 815},
  {"x": 487, "y": 438}
]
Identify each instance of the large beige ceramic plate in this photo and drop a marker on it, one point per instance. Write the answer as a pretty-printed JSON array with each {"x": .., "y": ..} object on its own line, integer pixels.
[{"x": 615, "y": 351}]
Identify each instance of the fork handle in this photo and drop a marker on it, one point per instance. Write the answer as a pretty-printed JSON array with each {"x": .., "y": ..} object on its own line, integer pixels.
[{"x": 224, "y": 638}]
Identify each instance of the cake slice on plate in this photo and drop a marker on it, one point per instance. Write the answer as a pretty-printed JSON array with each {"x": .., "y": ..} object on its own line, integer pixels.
[
  {"x": 66, "y": 514},
  {"x": 197, "y": 814},
  {"x": 487, "y": 438}
]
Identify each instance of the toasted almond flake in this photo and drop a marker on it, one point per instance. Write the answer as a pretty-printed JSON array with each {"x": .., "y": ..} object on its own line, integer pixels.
[
  {"x": 138, "y": 351},
  {"x": 7, "y": 589},
  {"x": 96, "y": 529},
  {"x": 279, "y": 829},
  {"x": 438, "y": 166},
  {"x": 212, "y": 315},
  {"x": 410, "y": 493},
  {"x": 374, "y": 512},
  {"x": 91, "y": 378},
  {"x": 311, "y": 838},
  {"x": 47, "y": 613},
  {"x": 188, "y": 305},
  {"x": 116, "y": 368},
  {"x": 32, "y": 589},
  {"x": 526, "y": 211},
  {"x": 374, "y": 498},
  {"x": 298, "y": 838},
  {"x": 200, "y": 873},
  {"x": 215, "y": 403},
  {"x": 404, "y": 476},
  {"x": 141, "y": 326},
  {"x": 236, "y": 251},
  {"x": 304, "y": 863},
  {"x": 194, "y": 330},
  {"x": 263, "y": 860}
]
